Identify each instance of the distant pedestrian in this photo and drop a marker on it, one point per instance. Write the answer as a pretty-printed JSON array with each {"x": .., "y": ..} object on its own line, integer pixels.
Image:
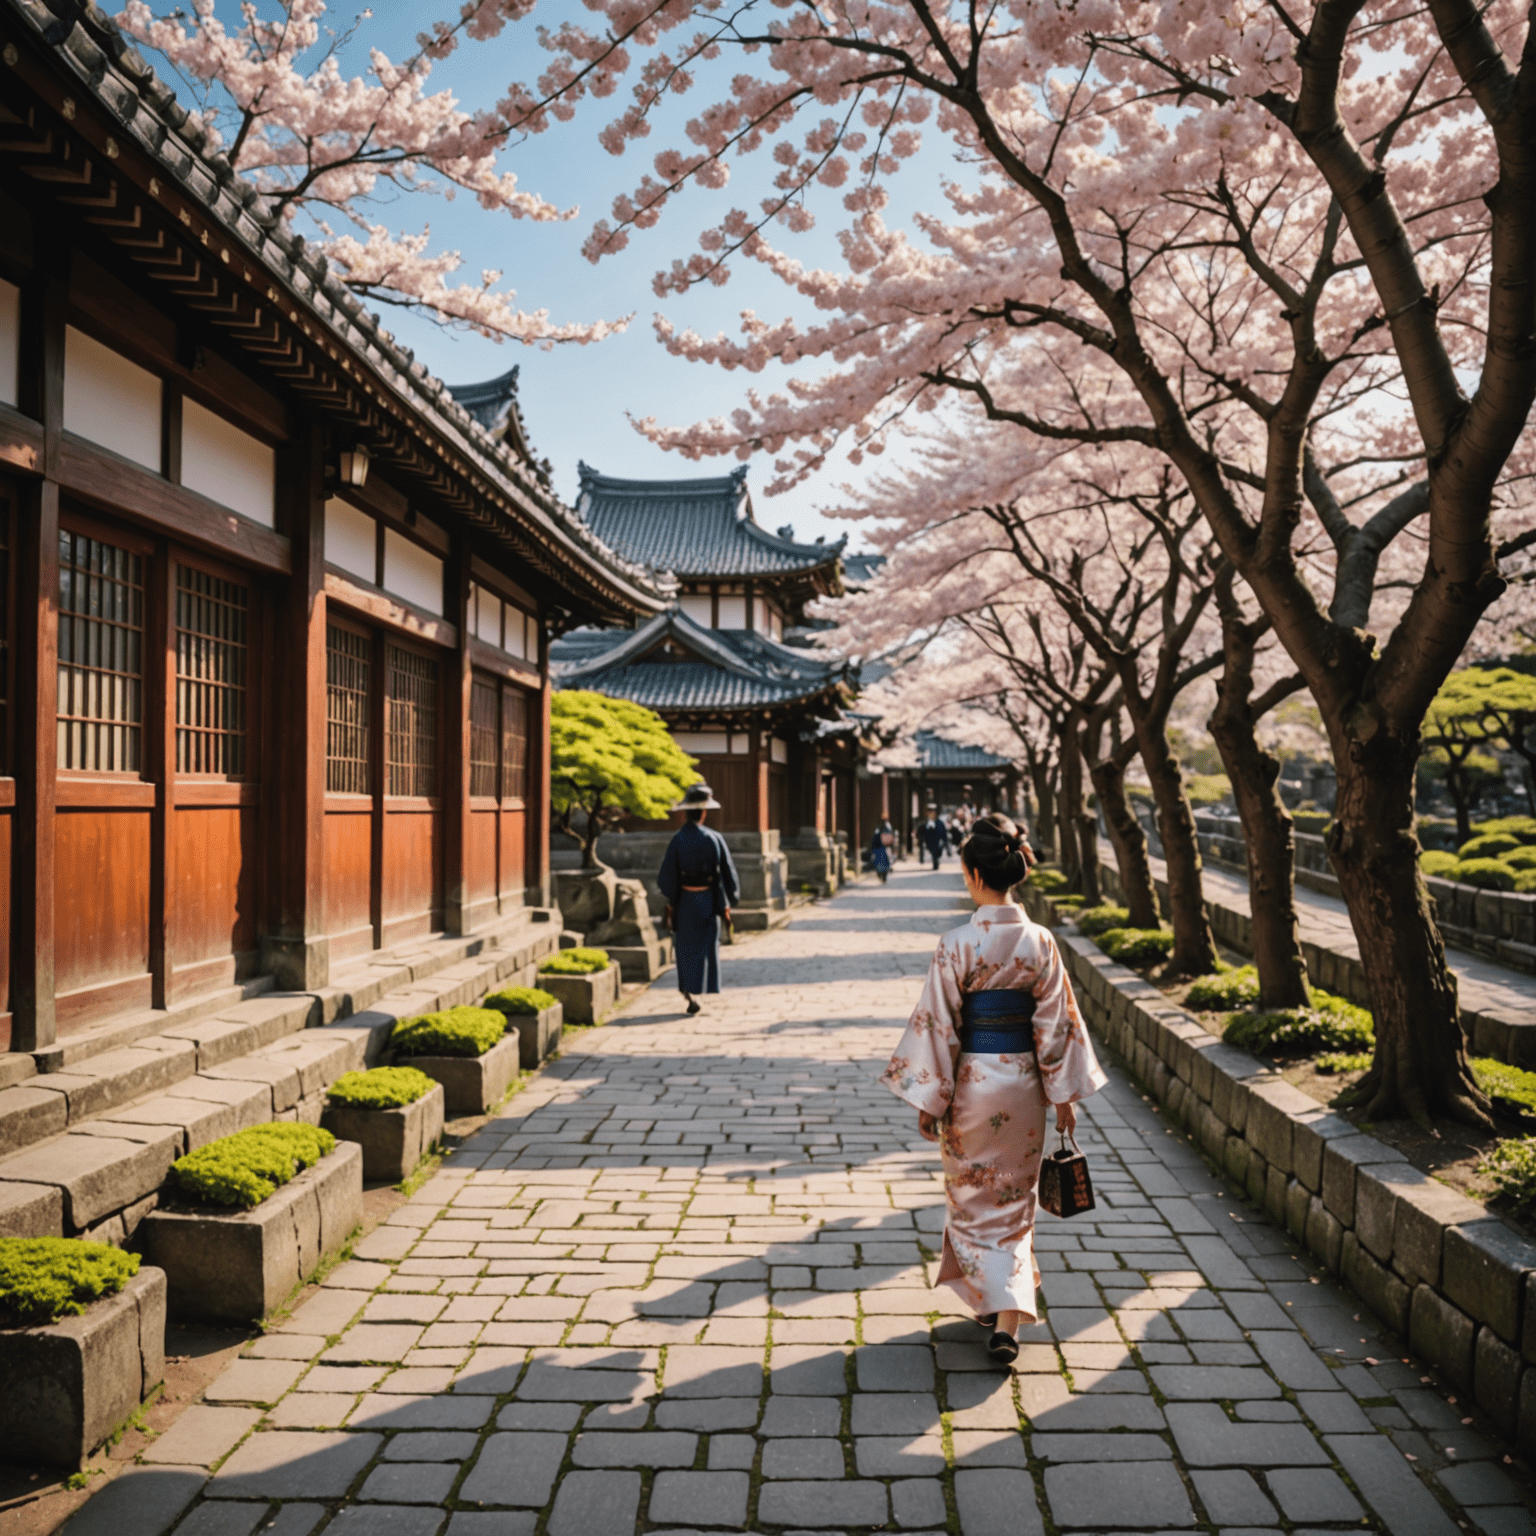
[
  {"x": 698, "y": 879},
  {"x": 933, "y": 835},
  {"x": 880, "y": 847},
  {"x": 995, "y": 1038}
]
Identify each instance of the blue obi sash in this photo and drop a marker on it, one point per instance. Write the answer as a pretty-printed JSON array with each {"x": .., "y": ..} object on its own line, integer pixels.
[{"x": 992, "y": 1023}]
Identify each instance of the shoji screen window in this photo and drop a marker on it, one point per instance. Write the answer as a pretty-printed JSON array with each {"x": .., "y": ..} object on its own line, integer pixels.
[
  {"x": 101, "y": 656},
  {"x": 484, "y": 734},
  {"x": 212, "y": 658},
  {"x": 514, "y": 743},
  {"x": 410, "y": 722},
  {"x": 348, "y": 712}
]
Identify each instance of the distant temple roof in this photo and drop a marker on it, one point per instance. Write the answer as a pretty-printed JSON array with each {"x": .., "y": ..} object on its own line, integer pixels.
[
  {"x": 493, "y": 403},
  {"x": 859, "y": 570},
  {"x": 695, "y": 528},
  {"x": 935, "y": 752},
  {"x": 673, "y": 665}
]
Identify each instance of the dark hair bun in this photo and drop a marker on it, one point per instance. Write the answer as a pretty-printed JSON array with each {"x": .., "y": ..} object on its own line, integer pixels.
[{"x": 997, "y": 851}]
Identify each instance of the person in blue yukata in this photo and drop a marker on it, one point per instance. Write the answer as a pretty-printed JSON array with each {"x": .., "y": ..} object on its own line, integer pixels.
[
  {"x": 699, "y": 882},
  {"x": 934, "y": 835}
]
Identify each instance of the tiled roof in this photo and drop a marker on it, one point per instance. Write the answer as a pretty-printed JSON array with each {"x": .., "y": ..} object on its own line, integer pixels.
[
  {"x": 698, "y": 528},
  {"x": 717, "y": 670},
  {"x": 859, "y": 570},
  {"x": 935, "y": 752}
]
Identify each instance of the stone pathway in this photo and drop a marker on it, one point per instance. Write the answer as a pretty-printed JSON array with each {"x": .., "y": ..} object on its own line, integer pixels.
[{"x": 681, "y": 1284}]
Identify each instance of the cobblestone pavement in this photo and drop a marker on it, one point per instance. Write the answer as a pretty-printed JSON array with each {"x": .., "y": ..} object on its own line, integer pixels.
[{"x": 680, "y": 1284}]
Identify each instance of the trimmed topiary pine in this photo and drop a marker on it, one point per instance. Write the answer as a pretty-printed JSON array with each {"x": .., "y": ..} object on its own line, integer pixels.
[
  {"x": 1485, "y": 874},
  {"x": 243, "y": 1169},
  {"x": 575, "y": 962},
  {"x": 459, "y": 1031},
  {"x": 380, "y": 1088},
  {"x": 1438, "y": 862},
  {"x": 1521, "y": 827},
  {"x": 1519, "y": 858},
  {"x": 522, "y": 1000},
  {"x": 45, "y": 1278},
  {"x": 1488, "y": 845}
]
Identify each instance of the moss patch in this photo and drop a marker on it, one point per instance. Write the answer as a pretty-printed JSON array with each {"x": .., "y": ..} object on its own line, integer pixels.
[
  {"x": 243, "y": 1169},
  {"x": 1092, "y": 920},
  {"x": 1047, "y": 880},
  {"x": 1511, "y": 1168},
  {"x": 1230, "y": 989},
  {"x": 575, "y": 962},
  {"x": 452, "y": 1032},
  {"x": 45, "y": 1278},
  {"x": 1136, "y": 946},
  {"x": 1511, "y": 1089},
  {"x": 1330, "y": 1024},
  {"x": 381, "y": 1088},
  {"x": 521, "y": 1001}
]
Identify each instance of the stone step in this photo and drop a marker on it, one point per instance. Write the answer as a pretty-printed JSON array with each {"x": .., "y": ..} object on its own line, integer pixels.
[{"x": 89, "y": 1147}]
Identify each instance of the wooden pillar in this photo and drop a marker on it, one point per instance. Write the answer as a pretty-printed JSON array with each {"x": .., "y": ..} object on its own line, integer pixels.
[
  {"x": 457, "y": 686},
  {"x": 539, "y": 893},
  {"x": 160, "y": 765},
  {"x": 761, "y": 757},
  {"x": 294, "y": 948}
]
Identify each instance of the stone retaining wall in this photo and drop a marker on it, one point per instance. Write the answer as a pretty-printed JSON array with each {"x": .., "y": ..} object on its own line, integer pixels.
[{"x": 1435, "y": 1266}]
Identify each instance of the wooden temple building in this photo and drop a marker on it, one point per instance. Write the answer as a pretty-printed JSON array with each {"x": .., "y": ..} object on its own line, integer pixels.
[
  {"x": 275, "y": 607},
  {"x": 930, "y": 769}
]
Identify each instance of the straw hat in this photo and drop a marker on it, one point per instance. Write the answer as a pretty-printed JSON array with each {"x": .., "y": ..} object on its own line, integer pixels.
[{"x": 700, "y": 798}]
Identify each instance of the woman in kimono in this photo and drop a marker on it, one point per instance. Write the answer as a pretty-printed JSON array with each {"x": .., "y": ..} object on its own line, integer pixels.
[
  {"x": 698, "y": 878},
  {"x": 995, "y": 1038}
]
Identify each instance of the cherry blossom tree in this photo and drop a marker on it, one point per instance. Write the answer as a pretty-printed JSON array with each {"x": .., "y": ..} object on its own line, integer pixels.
[{"x": 328, "y": 151}]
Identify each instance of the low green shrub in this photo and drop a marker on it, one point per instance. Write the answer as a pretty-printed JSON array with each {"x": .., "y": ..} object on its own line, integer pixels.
[
  {"x": 381, "y": 1088},
  {"x": 1136, "y": 946},
  {"x": 245, "y": 1168},
  {"x": 1522, "y": 828},
  {"x": 1488, "y": 845},
  {"x": 1343, "y": 1061},
  {"x": 1314, "y": 822},
  {"x": 1512, "y": 1090},
  {"x": 1047, "y": 880},
  {"x": 575, "y": 962},
  {"x": 1436, "y": 861},
  {"x": 520, "y": 1000},
  {"x": 1330, "y": 1024},
  {"x": 1207, "y": 789},
  {"x": 1519, "y": 858},
  {"x": 1511, "y": 1167},
  {"x": 45, "y": 1278},
  {"x": 1230, "y": 989},
  {"x": 452, "y": 1032},
  {"x": 1092, "y": 920},
  {"x": 1525, "y": 880},
  {"x": 1068, "y": 903},
  {"x": 1486, "y": 874}
]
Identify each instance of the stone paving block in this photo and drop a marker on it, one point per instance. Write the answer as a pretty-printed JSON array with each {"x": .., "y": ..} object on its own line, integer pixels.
[
  {"x": 1313, "y": 1493},
  {"x": 654, "y": 1448},
  {"x": 1110, "y": 1495},
  {"x": 894, "y": 1368},
  {"x": 708, "y": 1414},
  {"x": 431, "y": 1445},
  {"x": 222, "y": 1518},
  {"x": 385, "y": 1410},
  {"x": 201, "y": 1436},
  {"x": 406, "y": 1482},
  {"x": 486, "y": 1522},
  {"x": 819, "y": 1504},
  {"x": 143, "y": 1501},
  {"x": 254, "y": 1381},
  {"x": 899, "y": 1455},
  {"x": 1206, "y": 1437},
  {"x": 793, "y": 1459},
  {"x": 1089, "y": 1446},
  {"x": 997, "y": 1502},
  {"x": 386, "y": 1520},
  {"x": 703, "y": 1370},
  {"x": 294, "y": 1464},
  {"x": 808, "y": 1370},
  {"x": 1233, "y": 1498},
  {"x": 517, "y": 1468},
  {"x": 1388, "y": 1485},
  {"x": 802, "y": 1416},
  {"x": 1479, "y": 1484},
  {"x": 732, "y": 1453},
  {"x": 699, "y": 1498},
  {"x": 596, "y": 1501},
  {"x": 894, "y": 1413},
  {"x": 918, "y": 1502}
]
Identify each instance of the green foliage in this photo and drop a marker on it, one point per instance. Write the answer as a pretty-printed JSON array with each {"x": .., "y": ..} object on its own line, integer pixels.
[
  {"x": 1512, "y": 1168},
  {"x": 520, "y": 1000},
  {"x": 1525, "y": 881},
  {"x": 45, "y": 1278},
  {"x": 381, "y": 1088},
  {"x": 1314, "y": 822},
  {"x": 1488, "y": 845},
  {"x": 1136, "y": 946},
  {"x": 1521, "y": 827},
  {"x": 1511, "y": 1089},
  {"x": 245, "y": 1168},
  {"x": 1519, "y": 858},
  {"x": 574, "y": 962},
  {"x": 1092, "y": 920},
  {"x": 1230, "y": 989},
  {"x": 1343, "y": 1061},
  {"x": 1330, "y": 1024},
  {"x": 1068, "y": 902},
  {"x": 1436, "y": 861},
  {"x": 1208, "y": 789},
  {"x": 1486, "y": 874},
  {"x": 452, "y": 1032},
  {"x": 609, "y": 753},
  {"x": 1047, "y": 880}
]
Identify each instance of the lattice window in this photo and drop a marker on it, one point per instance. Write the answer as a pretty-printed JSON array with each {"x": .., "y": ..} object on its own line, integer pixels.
[
  {"x": 411, "y": 721},
  {"x": 514, "y": 743},
  {"x": 484, "y": 725},
  {"x": 348, "y": 717},
  {"x": 101, "y": 656},
  {"x": 212, "y": 635}
]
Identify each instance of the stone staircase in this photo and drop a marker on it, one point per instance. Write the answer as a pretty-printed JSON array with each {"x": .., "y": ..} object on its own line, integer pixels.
[{"x": 89, "y": 1127}]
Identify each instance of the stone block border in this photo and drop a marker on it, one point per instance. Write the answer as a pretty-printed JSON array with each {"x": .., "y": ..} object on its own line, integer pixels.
[
  {"x": 538, "y": 1035},
  {"x": 237, "y": 1266},
  {"x": 472, "y": 1084},
  {"x": 1438, "y": 1268},
  {"x": 393, "y": 1140},
  {"x": 586, "y": 999}
]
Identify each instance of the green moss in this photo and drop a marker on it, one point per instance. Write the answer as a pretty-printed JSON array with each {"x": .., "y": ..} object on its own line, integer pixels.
[
  {"x": 1330, "y": 1024},
  {"x": 575, "y": 962},
  {"x": 1136, "y": 946},
  {"x": 1485, "y": 874},
  {"x": 1525, "y": 880},
  {"x": 1314, "y": 822},
  {"x": 46, "y": 1278},
  {"x": 381, "y": 1088},
  {"x": 1343, "y": 1061},
  {"x": 1511, "y": 1089},
  {"x": 1511, "y": 1167},
  {"x": 452, "y": 1032},
  {"x": 1047, "y": 880},
  {"x": 1436, "y": 861},
  {"x": 1488, "y": 845},
  {"x": 1067, "y": 903},
  {"x": 245, "y": 1168},
  {"x": 1522, "y": 828},
  {"x": 1208, "y": 789},
  {"x": 1519, "y": 858},
  {"x": 1230, "y": 989},
  {"x": 1092, "y": 920},
  {"x": 520, "y": 1000}
]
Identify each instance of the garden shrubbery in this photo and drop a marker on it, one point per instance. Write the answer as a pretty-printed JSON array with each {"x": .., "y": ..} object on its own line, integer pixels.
[
  {"x": 1136, "y": 946},
  {"x": 1330, "y": 1024},
  {"x": 45, "y": 1278},
  {"x": 381, "y": 1088},
  {"x": 575, "y": 962},
  {"x": 1512, "y": 1168},
  {"x": 521, "y": 1001},
  {"x": 1488, "y": 874},
  {"x": 245, "y": 1168},
  {"x": 1068, "y": 902},
  {"x": 1343, "y": 1061},
  {"x": 1500, "y": 857},
  {"x": 1488, "y": 845},
  {"x": 1094, "y": 920},
  {"x": 1228, "y": 989},
  {"x": 1047, "y": 880},
  {"x": 452, "y": 1032},
  {"x": 1436, "y": 861},
  {"x": 1512, "y": 1090}
]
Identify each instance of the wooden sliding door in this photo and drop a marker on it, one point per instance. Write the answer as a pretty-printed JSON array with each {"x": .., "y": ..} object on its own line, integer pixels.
[
  {"x": 498, "y": 845},
  {"x": 411, "y": 899}
]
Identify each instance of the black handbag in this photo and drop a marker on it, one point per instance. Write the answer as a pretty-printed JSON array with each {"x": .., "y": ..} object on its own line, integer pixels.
[{"x": 1065, "y": 1187}]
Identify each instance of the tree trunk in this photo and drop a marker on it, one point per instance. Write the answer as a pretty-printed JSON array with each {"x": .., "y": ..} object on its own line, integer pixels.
[
  {"x": 1459, "y": 786},
  {"x": 1129, "y": 839},
  {"x": 1421, "y": 1068},
  {"x": 1267, "y": 828},
  {"x": 1079, "y": 827},
  {"x": 1194, "y": 948},
  {"x": 1044, "y": 830}
]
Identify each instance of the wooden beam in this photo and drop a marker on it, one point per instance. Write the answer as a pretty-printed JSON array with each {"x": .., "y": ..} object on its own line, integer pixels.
[
  {"x": 538, "y": 779},
  {"x": 160, "y": 769},
  {"x": 380, "y": 606},
  {"x": 457, "y": 675}
]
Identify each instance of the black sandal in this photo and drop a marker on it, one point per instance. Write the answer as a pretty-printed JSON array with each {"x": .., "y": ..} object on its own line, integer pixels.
[
  {"x": 989, "y": 1321},
  {"x": 693, "y": 1005},
  {"x": 1003, "y": 1347}
]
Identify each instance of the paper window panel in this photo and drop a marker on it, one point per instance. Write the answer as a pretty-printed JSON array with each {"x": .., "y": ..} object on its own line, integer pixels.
[
  {"x": 413, "y": 573},
  {"x": 111, "y": 401},
  {"x": 226, "y": 465},
  {"x": 351, "y": 540},
  {"x": 699, "y": 607},
  {"x": 733, "y": 612},
  {"x": 703, "y": 741},
  {"x": 10, "y": 344}
]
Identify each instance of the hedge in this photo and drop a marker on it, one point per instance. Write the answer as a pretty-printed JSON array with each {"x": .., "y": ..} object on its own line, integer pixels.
[
  {"x": 453, "y": 1032},
  {"x": 380, "y": 1088},
  {"x": 575, "y": 962},
  {"x": 1136, "y": 946},
  {"x": 1228, "y": 989},
  {"x": 1486, "y": 874},
  {"x": 1330, "y": 1024},
  {"x": 1488, "y": 845},
  {"x": 45, "y": 1278},
  {"x": 521, "y": 1000},
  {"x": 245, "y": 1168},
  {"x": 1093, "y": 920}
]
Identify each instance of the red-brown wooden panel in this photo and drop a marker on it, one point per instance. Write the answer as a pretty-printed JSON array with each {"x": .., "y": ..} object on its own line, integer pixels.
[
  {"x": 5, "y": 930},
  {"x": 411, "y": 890},
  {"x": 215, "y": 910},
  {"x": 348, "y": 881},
  {"x": 514, "y": 856},
  {"x": 101, "y": 904},
  {"x": 480, "y": 855}
]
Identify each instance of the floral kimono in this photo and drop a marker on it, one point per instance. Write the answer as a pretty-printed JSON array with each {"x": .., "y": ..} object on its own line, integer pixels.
[{"x": 992, "y": 1107}]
